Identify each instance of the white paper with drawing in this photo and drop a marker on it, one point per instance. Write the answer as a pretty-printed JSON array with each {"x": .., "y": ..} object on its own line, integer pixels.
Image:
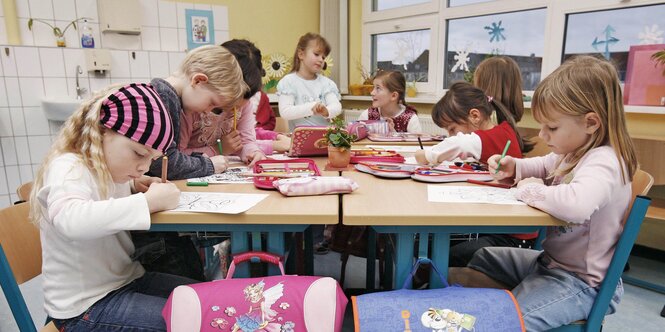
[
  {"x": 471, "y": 194},
  {"x": 231, "y": 175},
  {"x": 214, "y": 202}
]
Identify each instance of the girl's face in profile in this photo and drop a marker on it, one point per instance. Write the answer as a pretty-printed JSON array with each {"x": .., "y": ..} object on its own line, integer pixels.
[
  {"x": 312, "y": 58},
  {"x": 381, "y": 96},
  {"x": 125, "y": 158},
  {"x": 565, "y": 133}
]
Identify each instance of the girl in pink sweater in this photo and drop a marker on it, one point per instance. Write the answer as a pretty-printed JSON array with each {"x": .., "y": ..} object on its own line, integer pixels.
[{"x": 585, "y": 181}]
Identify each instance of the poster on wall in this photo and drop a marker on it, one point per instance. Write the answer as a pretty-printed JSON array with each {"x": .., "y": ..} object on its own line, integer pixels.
[
  {"x": 200, "y": 28},
  {"x": 645, "y": 81}
]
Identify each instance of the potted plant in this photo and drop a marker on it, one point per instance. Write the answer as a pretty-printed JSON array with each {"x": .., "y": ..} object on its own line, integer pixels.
[
  {"x": 57, "y": 32},
  {"x": 339, "y": 144}
]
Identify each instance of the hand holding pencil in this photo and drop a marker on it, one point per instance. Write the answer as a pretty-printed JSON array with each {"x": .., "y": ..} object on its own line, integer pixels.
[{"x": 501, "y": 168}]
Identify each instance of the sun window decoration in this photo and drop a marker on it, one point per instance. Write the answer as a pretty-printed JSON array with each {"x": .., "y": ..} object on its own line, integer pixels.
[
  {"x": 276, "y": 66},
  {"x": 327, "y": 66},
  {"x": 611, "y": 33}
]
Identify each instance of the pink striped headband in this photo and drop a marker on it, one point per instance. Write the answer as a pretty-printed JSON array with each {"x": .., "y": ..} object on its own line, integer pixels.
[{"x": 136, "y": 112}]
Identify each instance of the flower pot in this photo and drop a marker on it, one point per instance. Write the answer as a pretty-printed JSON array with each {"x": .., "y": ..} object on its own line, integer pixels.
[
  {"x": 356, "y": 89},
  {"x": 339, "y": 157},
  {"x": 60, "y": 41},
  {"x": 367, "y": 89}
]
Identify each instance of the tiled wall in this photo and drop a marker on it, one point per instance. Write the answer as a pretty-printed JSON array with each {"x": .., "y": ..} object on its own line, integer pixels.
[{"x": 29, "y": 73}]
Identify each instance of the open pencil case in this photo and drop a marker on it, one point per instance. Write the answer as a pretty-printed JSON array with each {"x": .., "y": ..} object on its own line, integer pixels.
[
  {"x": 378, "y": 155},
  {"x": 443, "y": 173},
  {"x": 268, "y": 171}
]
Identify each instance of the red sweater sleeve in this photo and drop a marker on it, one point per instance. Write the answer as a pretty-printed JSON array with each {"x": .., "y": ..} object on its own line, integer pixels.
[{"x": 265, "y": 117}]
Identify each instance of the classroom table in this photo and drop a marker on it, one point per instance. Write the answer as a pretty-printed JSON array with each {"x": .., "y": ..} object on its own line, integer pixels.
[
  {"x": 274, "y": 215},
  {"x": 400, "y": 206}
]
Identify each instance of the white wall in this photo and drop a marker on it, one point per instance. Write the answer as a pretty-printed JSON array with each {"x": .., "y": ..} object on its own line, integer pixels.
[{"x": 38, "y": 69}]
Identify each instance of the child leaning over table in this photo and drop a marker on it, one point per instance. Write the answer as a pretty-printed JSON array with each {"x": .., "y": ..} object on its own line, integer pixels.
[{"x": 585, "y": 181}]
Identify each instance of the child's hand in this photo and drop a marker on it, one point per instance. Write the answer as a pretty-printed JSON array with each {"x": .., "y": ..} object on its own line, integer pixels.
[
  {"x": 258, "y": 155},
  {"x": 529, "y": 180},
  {"x": 391, "y": 124},
  {"x": 282, "y": 143},
  {"x": 420, "y": 157},
  {"x": 231, "y": 143},
  {"x": 162, "y": 196},
  {"x": 142, "y": 184},
  {"x": 321, "y": 110},
  {"x": 220, "y": 163},
  {"x": 506, "y": 169}
]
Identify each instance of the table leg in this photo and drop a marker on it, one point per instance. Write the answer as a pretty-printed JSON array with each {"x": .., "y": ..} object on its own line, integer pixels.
[
  {"x": 403, "y": 258},
  {"x": 239, "y": 243},
  {"x": 371, "y": 258},
  {"x": 309, "y": 251},
  {"x": 440, "y": 255},
  {"x": 275, "y": 244}
]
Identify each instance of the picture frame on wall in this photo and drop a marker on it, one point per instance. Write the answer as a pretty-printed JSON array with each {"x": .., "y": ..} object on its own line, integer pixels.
[
  {"x": 645, "y": 82},
  {"x": 200, "y": 28}
]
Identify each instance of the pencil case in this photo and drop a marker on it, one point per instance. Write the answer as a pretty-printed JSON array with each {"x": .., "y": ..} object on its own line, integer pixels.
[
  {"x": 268, "y": 171},
  {"x": 315, "y": 185},
  {"x": 366, "y": 155}
]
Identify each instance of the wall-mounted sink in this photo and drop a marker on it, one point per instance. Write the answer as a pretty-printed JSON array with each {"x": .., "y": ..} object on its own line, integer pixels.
[{"x": 59, "y": 108}]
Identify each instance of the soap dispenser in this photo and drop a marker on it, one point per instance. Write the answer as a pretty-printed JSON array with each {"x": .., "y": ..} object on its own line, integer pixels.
[{"x": 87, "y": 39}]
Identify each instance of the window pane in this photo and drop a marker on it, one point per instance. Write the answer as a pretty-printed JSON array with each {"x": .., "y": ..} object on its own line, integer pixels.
[
  {"x": 455, "y": 3},
  {"x": 518, "y": 35},
  {"x": 610, "y": 33},
  {"x": 407, "y": 52},
  {"x": 388, "y": 4}
]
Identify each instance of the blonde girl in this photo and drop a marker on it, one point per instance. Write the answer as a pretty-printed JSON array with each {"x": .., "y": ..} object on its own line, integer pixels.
[
  {"x": 88, "y": 193},
  {"x": 500, "y": 77},
  {"x": 585, "y": 181},
  {"x": 307, "y": 98},
  {"x": 388, "y": 103}
]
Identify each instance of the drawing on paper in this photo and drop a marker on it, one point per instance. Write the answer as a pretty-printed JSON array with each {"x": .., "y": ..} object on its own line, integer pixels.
[
  {"x": 216, "y": 202},
  {"x": 471, "y": 194}
]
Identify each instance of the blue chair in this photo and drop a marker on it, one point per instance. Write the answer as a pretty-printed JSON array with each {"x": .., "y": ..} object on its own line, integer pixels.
[
  {"x": 642, "y": 182},
  {"x": 20, "y": 261}
]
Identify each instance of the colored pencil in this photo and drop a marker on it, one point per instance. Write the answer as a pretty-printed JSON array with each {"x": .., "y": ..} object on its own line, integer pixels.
[
  {"x": 235, "y": 121},
  {"x": 197, "y": 184},
  {"x": 219, "y": 146},
  {"x": 503, "y": 155},
  {"x": 420, "y": 142},
  {"x": 165, "y": 164}
]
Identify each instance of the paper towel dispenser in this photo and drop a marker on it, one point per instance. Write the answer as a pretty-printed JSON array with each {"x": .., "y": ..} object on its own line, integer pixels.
[{"x": 119, "y": 16}]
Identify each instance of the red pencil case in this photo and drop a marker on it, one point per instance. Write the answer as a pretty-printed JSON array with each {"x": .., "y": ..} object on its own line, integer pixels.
[
  {"x": 279, "y": 169},
  {"x": 365, "y": 155}
]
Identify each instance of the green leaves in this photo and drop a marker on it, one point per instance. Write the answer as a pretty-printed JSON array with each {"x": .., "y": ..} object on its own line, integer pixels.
[{"x": 337, "y": 135}]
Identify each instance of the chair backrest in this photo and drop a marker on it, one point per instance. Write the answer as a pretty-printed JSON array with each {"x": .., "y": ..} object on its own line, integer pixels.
[
  {"x": 20, "y": 259},
  {"x": 23, "y": 191},
  {"x": 642, "y": 182}
]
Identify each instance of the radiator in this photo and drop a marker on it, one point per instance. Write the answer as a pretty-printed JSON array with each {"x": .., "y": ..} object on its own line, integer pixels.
[{"x": 425, "y": 121}]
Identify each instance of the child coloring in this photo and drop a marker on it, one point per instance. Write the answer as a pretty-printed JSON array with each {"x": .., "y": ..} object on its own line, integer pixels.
[
  {"x": 307, "y": 98},
  {"x": 388, "y": 103},
  {"x": 89, "y": 192},
  {"x": 585, "y": 181},
  {"x": 465, "y": 112}
]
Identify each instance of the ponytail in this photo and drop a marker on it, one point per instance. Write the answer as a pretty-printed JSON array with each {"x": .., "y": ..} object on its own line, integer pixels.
[{"x": 502, "y": 114}]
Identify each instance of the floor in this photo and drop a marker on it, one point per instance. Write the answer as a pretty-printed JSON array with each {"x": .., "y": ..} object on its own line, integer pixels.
[{"x": 639, "y": 309}]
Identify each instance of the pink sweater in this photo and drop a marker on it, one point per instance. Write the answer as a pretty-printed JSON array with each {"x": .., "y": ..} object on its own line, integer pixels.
[
  {"x": 199, "y": 131},
  {"x": 592, "y": 199}
]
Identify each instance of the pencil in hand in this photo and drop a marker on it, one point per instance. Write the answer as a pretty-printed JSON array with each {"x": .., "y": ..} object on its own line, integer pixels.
[
  {"x": 503, "y": 155},
  {"x": 165, "y": 164},
  {"x": 420, "y": 142},
  {"x": 219, "y": 146}
]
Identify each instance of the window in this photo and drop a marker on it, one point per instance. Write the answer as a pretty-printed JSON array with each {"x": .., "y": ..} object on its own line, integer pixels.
[
  {"x": 406, "y": 51},
  {"x": 456, "y": 3},
  {"x": 519, "y": 35},
  {"x": 610, "y": 33},
  {"x": 389, "y": 4}
]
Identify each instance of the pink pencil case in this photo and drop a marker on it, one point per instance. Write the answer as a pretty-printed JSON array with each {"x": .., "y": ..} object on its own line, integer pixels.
[{"x": 315, "y": 185}]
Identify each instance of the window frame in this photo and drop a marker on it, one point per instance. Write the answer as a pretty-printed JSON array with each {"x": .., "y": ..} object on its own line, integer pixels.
[
  {"x": 406, "y": 24},
  {"x": 554, "y": 28}
]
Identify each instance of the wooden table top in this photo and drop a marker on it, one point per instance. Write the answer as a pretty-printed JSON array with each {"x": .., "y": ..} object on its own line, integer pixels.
[{"x": 399, "y": 202}]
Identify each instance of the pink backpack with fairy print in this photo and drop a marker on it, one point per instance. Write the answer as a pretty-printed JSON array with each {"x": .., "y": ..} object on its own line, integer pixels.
[{"x": 275, "y": 304}]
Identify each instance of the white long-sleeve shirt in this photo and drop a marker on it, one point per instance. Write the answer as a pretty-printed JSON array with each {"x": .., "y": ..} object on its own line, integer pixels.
[
  {"x": 297, "y": 97},
  {"x": 592, "y": 198},
  {"x": 86, "y": 245}
]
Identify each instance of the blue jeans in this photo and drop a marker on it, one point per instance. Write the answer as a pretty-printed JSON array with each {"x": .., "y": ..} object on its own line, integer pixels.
[
  {"x": 548, "y": 298},
  {"x": 134, "y": 307}
]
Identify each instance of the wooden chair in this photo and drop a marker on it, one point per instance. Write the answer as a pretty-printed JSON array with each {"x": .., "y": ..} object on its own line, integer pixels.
[
  {"x": 23, "y": 191},
  {"x": 20, "y": 261},
  {"x": 642, "y": 182}
]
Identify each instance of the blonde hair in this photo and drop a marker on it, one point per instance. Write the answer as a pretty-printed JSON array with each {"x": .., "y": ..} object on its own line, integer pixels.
[
  {"x": 500, "y": 77},
  {"x": 584, "y": 85},
  {"x": 221, "y": 67},
  {"x": 81, "y": 135},
  {"x": 303, "y": 42}
]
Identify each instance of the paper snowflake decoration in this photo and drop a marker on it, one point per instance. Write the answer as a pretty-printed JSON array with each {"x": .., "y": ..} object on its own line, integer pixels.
[
  {"x": 651, "y": 35},
  {"x": 462, "y": 58},
  {"x": 495, "y": 32}
]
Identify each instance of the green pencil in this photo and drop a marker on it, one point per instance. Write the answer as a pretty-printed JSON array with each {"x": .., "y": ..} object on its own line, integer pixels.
[
  {"x": 503, "y": 155},
  {"x": 219, "y": 146},
  {"x": 197, "y": 184}
]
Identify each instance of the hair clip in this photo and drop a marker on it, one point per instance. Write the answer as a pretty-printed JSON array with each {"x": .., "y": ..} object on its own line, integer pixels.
[{"x": 489, "y": 99}]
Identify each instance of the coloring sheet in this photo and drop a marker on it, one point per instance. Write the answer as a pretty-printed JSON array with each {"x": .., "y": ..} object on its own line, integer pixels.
[
  {"x": 214, "y": 202},
  {"x": 471, "y": 194},
  {"x": 231, "y": 175}
]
